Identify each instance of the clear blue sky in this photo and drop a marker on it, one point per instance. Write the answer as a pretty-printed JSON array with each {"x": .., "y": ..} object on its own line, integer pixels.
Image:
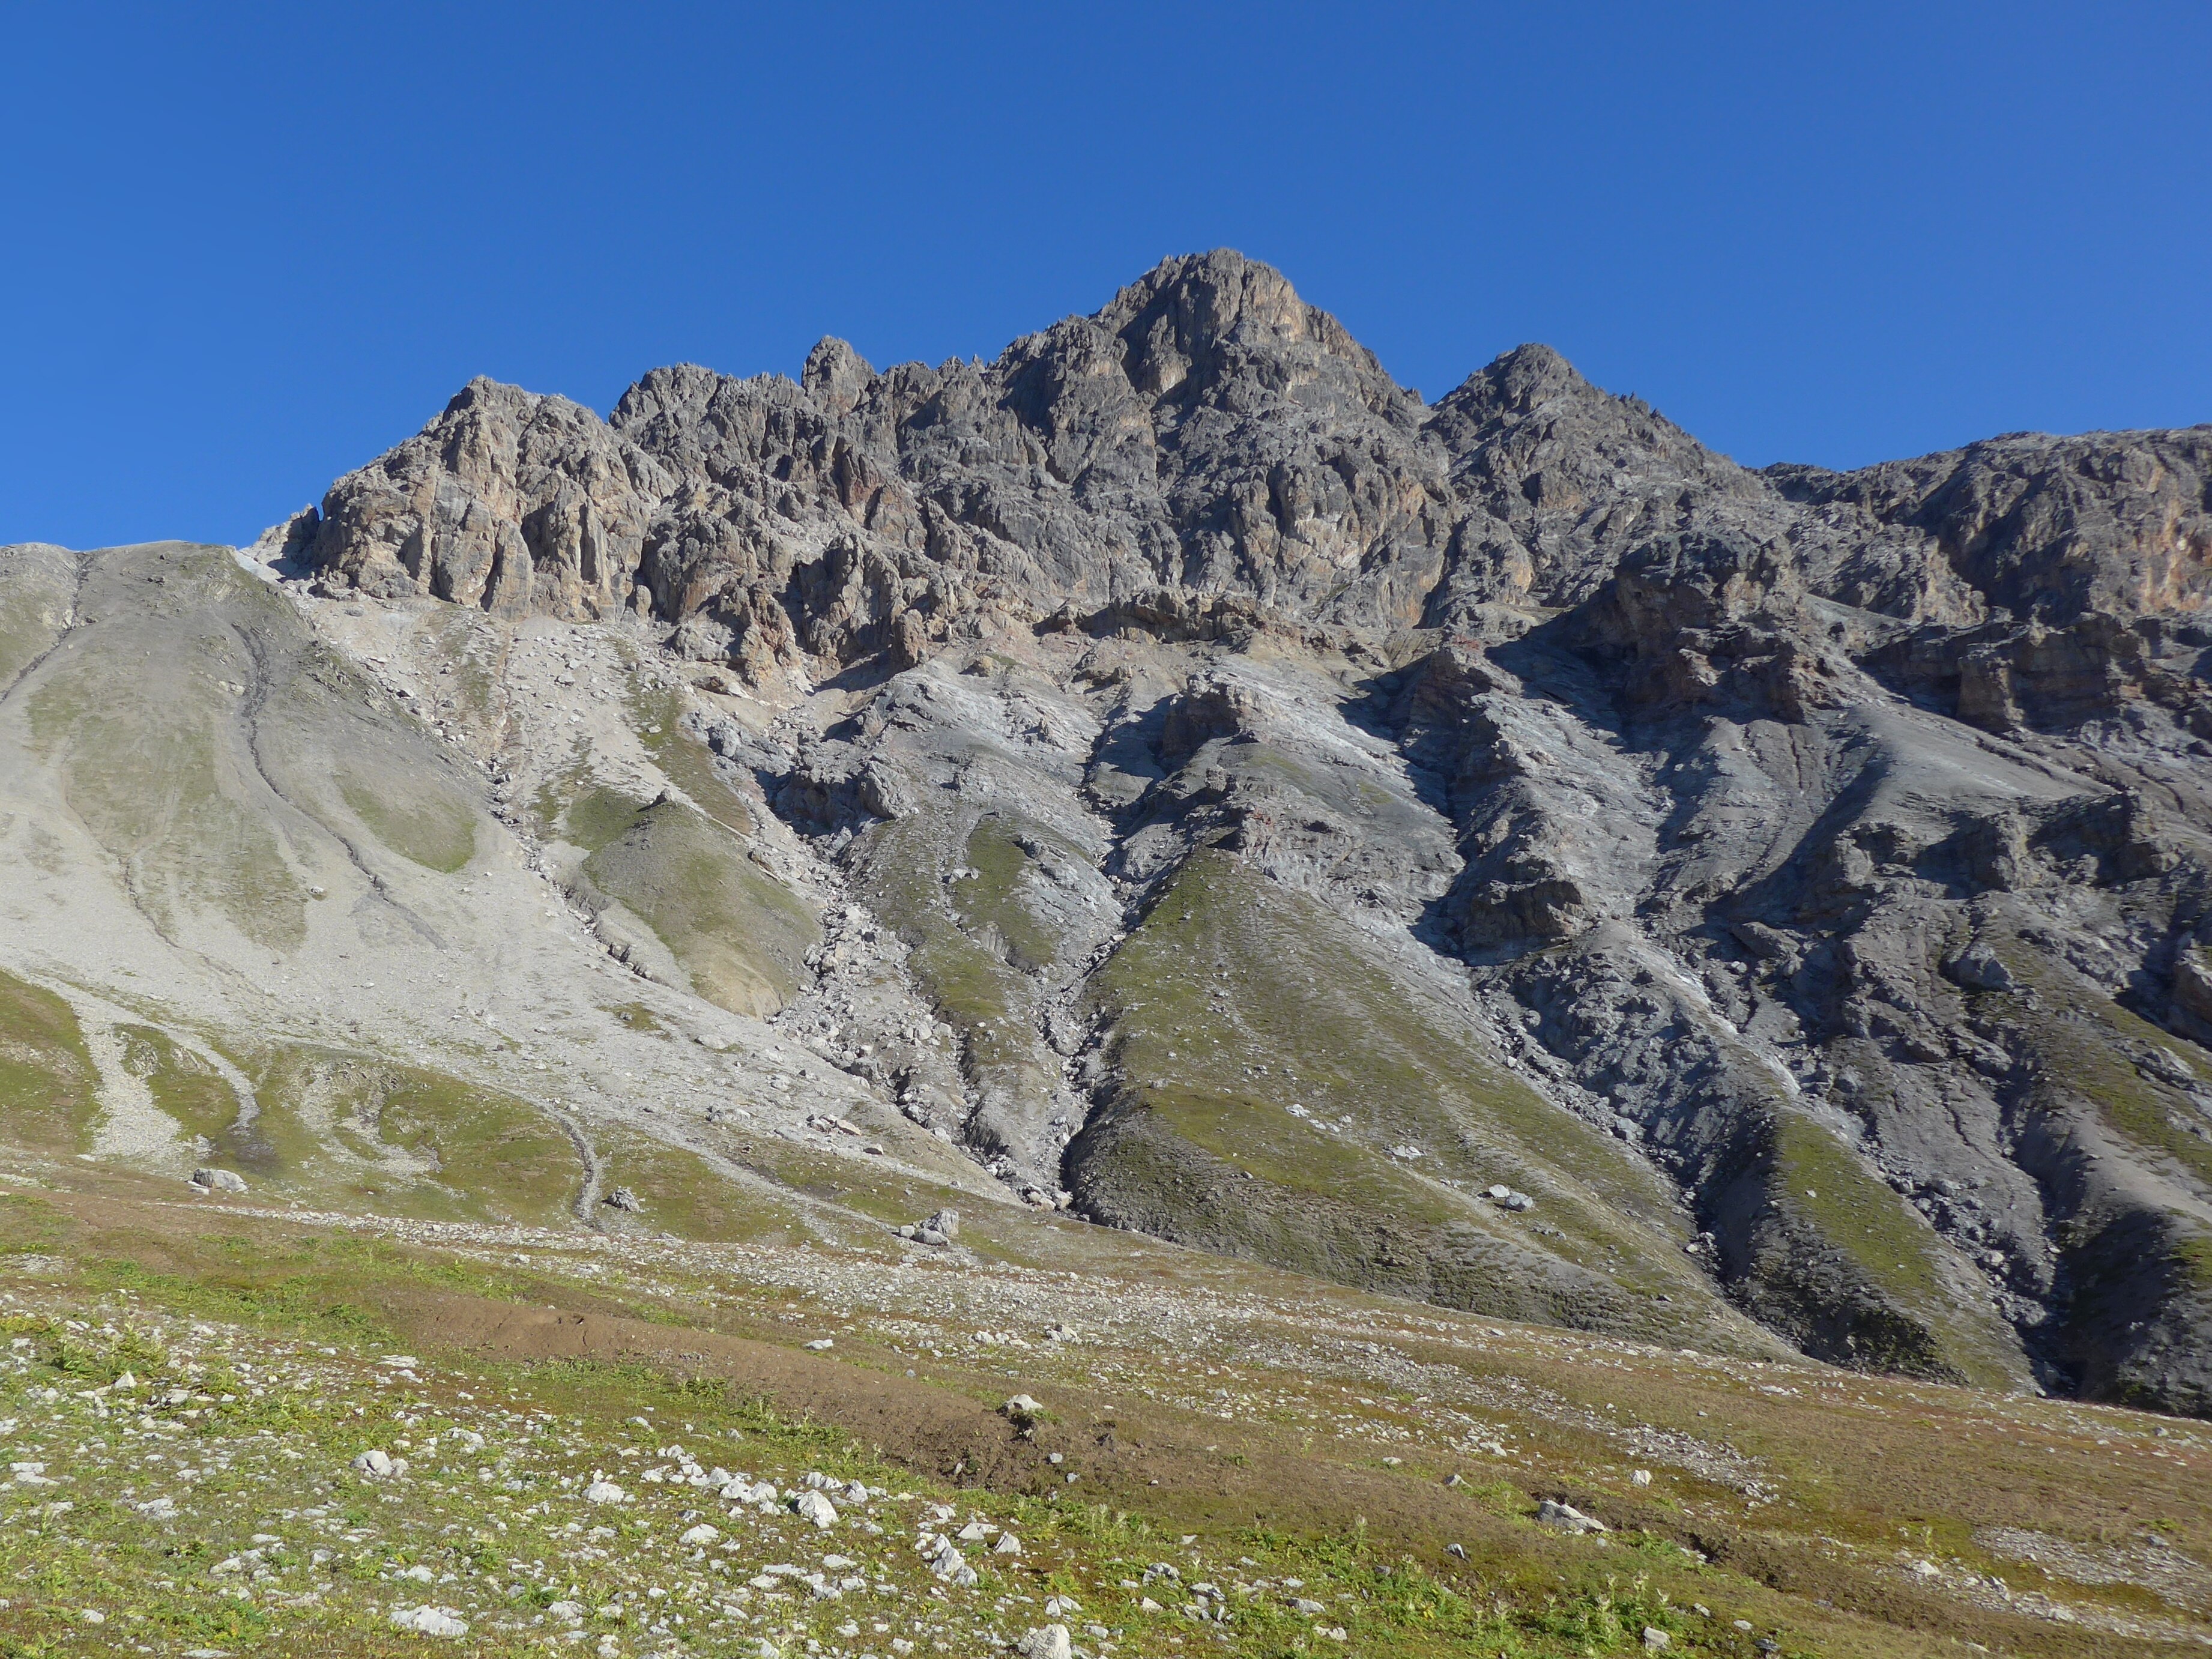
[{"x": 244, "y": 248}]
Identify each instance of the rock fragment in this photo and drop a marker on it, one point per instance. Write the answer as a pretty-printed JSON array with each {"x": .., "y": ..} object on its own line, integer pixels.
[
  {"x": 430, "y": 1621},
  {"x": 1565, "y": 1517}
]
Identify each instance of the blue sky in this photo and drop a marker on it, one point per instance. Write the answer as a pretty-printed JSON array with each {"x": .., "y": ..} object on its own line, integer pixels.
[{"x": 243, "y": 249}]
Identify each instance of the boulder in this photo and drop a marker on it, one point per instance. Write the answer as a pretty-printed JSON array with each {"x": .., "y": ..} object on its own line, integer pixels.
[
  {"x": 430, "y": 1621},
  {"x": 1049, "y": 1642},
  {"x": 1565, "y": 1517}
]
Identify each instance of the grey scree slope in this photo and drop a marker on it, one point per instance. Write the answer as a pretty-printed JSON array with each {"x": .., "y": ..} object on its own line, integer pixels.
[{"x": 1236, "y": 799}]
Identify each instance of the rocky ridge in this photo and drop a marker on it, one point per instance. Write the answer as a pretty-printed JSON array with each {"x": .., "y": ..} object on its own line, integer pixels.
[{"x": 1237, "y": 800}]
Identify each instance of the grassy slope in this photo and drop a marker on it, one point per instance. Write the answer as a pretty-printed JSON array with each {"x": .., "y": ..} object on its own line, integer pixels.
[
  {"x": 136, "y": 712},
  {"x": 2121, "y": 1257},
  {"x": 1229, "y": 974},
  {"x": 181, "y": 1084},
  {"x": 348, "y": 1132},
  {"x": 430, "y": 826},
  {"x": 1851, "y": 1271},
  {"x": 46, "y": 1074},
  {"x": 656, "y": 715},
  {"x": 740, "y": 934},
  {"x": 685, "y": 870},
  {"x": 976, "y": 947},
  {"x": 1248, "y": 1456}
]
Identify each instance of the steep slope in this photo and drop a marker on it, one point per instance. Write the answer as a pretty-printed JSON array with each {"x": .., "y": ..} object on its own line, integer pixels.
[
  {"x": 1233, "y": 798},
  {"x": 272, "y": 908}
]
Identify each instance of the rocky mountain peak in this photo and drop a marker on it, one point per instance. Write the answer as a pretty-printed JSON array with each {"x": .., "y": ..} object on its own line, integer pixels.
[
  {"x": 1517, "y": 382},
  {"x": 834, "y": 373},
  {"x": 1203, "y": 316}
]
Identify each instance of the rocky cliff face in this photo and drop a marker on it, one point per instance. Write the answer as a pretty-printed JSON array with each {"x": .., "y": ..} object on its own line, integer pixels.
[{"x": 1311, "y": 813}]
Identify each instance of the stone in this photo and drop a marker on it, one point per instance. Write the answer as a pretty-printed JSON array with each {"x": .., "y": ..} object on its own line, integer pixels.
[
  {"x": 1566, "y": 1518},
  {"x": 1050, "y": 1642},
  {"x": 605, "y": 1491},
  {"x": 621, "y": 1198},
  {"x": 1655, "y": 1638},
  {"x": 430, "y": 1621},
  {"x": 948, "y": 1564},
  {"x": 1979, "y": 969},
  {"x": 2192, "y": 991},
  {"x": 813, "y": 1507}
]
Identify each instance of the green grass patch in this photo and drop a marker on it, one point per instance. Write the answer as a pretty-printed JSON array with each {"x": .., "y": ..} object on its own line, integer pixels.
[
  {"x": 419, "y": 821},
  {"x": 1871, "y": 1224},
  {"x": 182, "y": 1085},
  {"x": 31, "y": 1225},
  {"x": 991, "y": 898},
  {"x": 598, "y": 816},
  {"x": 656, "y": 717},
  {"x": 960, "y": 955},
  {"x": 371, "y": 1133},
  {"x": 1229, "y": 973},
  {"x": 46, "y": 1074},
  {"x": 684, "y": 1195},
  {"x": 740, "y": 934}
]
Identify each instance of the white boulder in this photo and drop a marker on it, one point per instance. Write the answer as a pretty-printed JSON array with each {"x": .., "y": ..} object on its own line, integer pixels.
[{"x": 429, "y": 1621}]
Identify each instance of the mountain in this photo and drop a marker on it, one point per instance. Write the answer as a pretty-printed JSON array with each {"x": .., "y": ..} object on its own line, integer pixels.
[{"x": 1499, "y": 852}]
